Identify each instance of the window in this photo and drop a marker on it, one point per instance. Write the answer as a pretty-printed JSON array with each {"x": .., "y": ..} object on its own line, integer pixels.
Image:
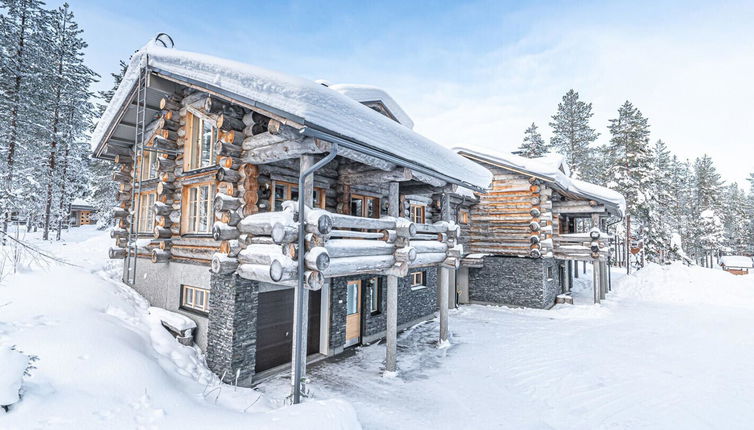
[
  {"x": 149, "y": 167},
  {"x": 146, "y": 212},
  {"x": 352, "y": 298},
  {"x": 198, "y": 208},
  {"x": 549, "y": 273},
  {"x": 283, "y": 191},
  {"x": 201, "y": 143},
  {"x": 374, "y": 287},
  {"x": 463, "y": 216},
  {"x": 364, "y": 206},
  {"x": 418, "y": 280},
  {"x": 195, "y": 298},
  {"x": 418, "y": 213}
]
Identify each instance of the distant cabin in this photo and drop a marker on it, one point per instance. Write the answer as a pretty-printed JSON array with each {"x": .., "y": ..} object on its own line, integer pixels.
[
  {"x": 737, "y": 264},
  {"x": 81, "y": 213}
]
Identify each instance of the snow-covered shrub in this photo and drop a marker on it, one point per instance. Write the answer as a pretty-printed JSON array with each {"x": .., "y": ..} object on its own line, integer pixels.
[{"x": 14, "y": 365}]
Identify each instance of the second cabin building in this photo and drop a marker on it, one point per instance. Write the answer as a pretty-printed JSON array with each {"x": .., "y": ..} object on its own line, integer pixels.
[{"x": 530, "y": 229}]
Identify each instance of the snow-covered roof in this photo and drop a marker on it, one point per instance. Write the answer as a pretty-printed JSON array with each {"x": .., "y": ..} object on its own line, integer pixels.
[
  {"x": 551, "y": 168},
  {"x": 736, "y": 261},
  {"x": 301, "y": 100},
  {"x": 368, "y": 93}
]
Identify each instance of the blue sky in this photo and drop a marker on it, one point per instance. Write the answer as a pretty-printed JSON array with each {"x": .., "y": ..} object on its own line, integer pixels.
[{"x": 479, "y": 72}]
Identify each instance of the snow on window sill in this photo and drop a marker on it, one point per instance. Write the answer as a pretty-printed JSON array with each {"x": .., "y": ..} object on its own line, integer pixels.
[{"x": 418, "y": 287}]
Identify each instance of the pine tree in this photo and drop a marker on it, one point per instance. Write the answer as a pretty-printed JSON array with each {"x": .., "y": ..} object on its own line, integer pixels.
[
  {"x": 735, "y": 219},
  {"x": 533, "y": 145},
  {"x": 572, "y": 135},
  {"x": 661, "y": 199},
  {"x": 21, "y": 64},
  {"x": 71, "y": 111},
  {"x": 630, "y": 160},
  {"x": 706, "y": 225}
]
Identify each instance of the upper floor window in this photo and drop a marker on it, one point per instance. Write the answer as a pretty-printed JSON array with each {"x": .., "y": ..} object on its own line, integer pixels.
[
  {"x": 283, "y": 191},
  {"x": 200, "y": 146},
  {"x": 149, "y": 165},
  {"x": 146, "y": 212},
  {"x": 463, "y": 216},
  {"x": 365, "y": 206},
  {"x": 198, "y": 207},
  {"x": 418, "y": 213}
]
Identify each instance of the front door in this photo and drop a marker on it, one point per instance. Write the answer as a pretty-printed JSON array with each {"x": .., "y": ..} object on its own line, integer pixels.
[{"x": 353, "y": 313}]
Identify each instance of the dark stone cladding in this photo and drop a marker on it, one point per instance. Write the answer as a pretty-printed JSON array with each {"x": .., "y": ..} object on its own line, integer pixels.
[
  {"x": 232, "y": 332},
  {"x": 515, "y": 281},
  {"x": 412, "y": 305}
]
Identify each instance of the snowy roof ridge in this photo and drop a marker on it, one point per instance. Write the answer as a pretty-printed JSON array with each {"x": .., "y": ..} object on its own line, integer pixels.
[
  {"x": 367, "y": 93},
  {"x": 548, "y": 168},
  {"x": 307, "y": 101}
]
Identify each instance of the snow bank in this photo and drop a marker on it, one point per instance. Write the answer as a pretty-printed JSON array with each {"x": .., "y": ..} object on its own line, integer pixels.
[
  {"x": 306, "y": 101},
  {"x": 736, "y": 261},
  {"x": 106, "y": 361},
  {"x": 549, "y": 168},
  {"x": 12, "y": 368}
]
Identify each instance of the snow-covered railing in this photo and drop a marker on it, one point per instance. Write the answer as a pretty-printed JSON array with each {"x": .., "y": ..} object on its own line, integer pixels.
[{"x": 336, "y": 245}]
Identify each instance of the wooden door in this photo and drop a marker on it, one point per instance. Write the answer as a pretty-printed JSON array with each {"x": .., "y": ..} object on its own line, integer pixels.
[{"x": 353, "y": 313}]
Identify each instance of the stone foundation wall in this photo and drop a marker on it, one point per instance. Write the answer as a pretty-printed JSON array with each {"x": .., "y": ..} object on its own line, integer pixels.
[
  {"x": 231, "y": 344},
  {"x": 515, "y": 281}
]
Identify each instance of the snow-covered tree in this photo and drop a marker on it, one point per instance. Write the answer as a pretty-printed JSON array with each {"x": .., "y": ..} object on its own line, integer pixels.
[
  {"x": 660, "y": 217},
  {"x": 630, "y": 161},
  {"x": 22, "y": 61},
  {"x": 735, "y": 218},
  {"x": 706, "y": 225},
  {"x": 572, "y": 135},
  {"x": 533, "y": 145}
]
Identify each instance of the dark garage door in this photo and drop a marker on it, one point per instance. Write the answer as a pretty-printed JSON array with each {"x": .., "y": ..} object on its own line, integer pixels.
[{"x": 275, "y": 327}]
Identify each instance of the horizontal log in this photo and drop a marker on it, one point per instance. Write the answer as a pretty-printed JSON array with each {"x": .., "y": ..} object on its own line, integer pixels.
[
  {"x": 223, "y": 264},
  {"x": 226, "y": 123},
  {"x": 160, "y": 256},
  {"x": 119, "y": 212},
  {"x": 222, "y": 231},
  {"x": 117, "y": 253},
  {"x": 348, "y": 266},
  {"x": 428, "y": 258},
  {"x": 339, "y": 248},
  {"x": 232, "y": 136},
  {"x": 225, "y": 202},
  {"x": 227, "y": 175},
  {"x": 428, "y": 246}
]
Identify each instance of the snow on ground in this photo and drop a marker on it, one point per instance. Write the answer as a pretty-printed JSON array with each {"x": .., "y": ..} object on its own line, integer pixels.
[
  {"x": 104, "y": 363},
  {"x": 671, "y": 347}
]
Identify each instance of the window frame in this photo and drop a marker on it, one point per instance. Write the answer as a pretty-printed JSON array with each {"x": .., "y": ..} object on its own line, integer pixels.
[
  {"x": 146, "y": 212},
  {"x": 186, "y": 206},
  {"x": 148, "y": 170},
  {"x": 289, "y": 186},
  {"x": 375, "y": 291},
  {"x": 463, "y": 216},
  {"x": 414, "y": 209},
  {"x": 418, "y": 280},
  {"x": 364, "y": 199},
  {"x": 190, "y": 151},
  {"x": 191, "y": 307}
]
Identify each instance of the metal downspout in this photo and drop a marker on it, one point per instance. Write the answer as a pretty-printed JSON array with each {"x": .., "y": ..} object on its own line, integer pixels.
[{"x": 299, "y": 359}]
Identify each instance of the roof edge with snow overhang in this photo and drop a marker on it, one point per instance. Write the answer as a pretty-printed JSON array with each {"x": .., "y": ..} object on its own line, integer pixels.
[
  {"x": 300, "y": 100},
  {"x": 551, "y": 169}
]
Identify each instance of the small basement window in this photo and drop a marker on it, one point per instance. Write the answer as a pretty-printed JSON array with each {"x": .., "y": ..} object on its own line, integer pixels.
[
  {"x": 374, "y": 286},
  {"x": 463, "y": 216},
  {"x": 418, "y": 281},
  {"x": 195, "y": 299},
  {"x": 549, "y": 273}
]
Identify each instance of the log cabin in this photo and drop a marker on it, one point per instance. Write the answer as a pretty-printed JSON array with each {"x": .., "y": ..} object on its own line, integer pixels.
[
  {"x": 737, "y": 264},
  {"x": 219, "y": 218},
  {"x": 81, "y": 213},
  {"x": 530, "y": 229}
]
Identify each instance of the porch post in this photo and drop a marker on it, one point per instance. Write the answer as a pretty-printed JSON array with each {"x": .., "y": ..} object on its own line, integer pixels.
[
  {"x": 444, "y": 277},
  {"x": 391, "y": 334},
  {"x": 603, "y": 279},
  {"x": 595, "y": 280}
]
